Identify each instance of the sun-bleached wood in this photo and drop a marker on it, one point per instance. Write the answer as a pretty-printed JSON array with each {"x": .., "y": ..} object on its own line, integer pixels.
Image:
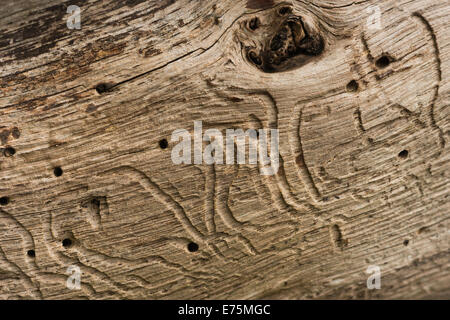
[{"x": 364, "y": 124}]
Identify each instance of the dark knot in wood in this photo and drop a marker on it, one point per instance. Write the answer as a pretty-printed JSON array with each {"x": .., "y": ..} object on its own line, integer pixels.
[{"x": 289, "y": 47}]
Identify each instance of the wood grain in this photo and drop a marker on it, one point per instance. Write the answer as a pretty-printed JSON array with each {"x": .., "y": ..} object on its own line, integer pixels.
[{"x": 364, "y": 123}]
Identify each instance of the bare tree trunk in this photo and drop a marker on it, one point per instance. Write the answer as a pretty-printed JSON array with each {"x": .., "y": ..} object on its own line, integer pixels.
[{"x": 359, "y": 91}]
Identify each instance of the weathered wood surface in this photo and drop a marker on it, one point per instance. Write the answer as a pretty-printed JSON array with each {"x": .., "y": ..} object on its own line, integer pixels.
[{"x": 345, "y": 197}]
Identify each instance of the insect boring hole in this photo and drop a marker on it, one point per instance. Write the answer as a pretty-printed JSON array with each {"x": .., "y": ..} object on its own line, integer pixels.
[
  {"x": 9, "y": 151},
  {"x": 102, "y": 88},
  {"x": 383, "y": 62},
  {"x": 192, "y": 247},
  {"x": 403, "y": 154},
  {"x": 4, "y": 201},
  {"x": 67, "y": 243},
  {"x": 352, "y": 86},
  {"x": 58, "y": 171}
]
